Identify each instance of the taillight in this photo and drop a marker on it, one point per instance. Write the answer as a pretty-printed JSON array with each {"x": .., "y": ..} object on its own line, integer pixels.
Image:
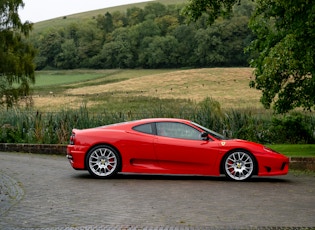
[{"x": 72, "y": 138}]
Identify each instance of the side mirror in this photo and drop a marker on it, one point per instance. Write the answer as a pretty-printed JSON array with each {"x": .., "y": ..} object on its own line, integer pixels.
[{"x": 204, "y": 136}]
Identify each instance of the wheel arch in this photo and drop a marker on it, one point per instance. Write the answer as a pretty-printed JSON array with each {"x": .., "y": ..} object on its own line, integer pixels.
[
  {"x": 235, "y": 150},
  {"x": 102, "y": 144}
]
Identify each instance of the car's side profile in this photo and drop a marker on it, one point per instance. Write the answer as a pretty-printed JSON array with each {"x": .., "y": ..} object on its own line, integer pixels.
[{"x": 169, "y": 146}]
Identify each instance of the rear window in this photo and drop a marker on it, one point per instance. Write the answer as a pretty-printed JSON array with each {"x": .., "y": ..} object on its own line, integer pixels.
[{"x": 145, "y": 128}]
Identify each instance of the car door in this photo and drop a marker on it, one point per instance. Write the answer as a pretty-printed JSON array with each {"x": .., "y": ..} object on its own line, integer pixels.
[
  {"x": 180, "y": 149},
  {"x": 138, "y": 150}
]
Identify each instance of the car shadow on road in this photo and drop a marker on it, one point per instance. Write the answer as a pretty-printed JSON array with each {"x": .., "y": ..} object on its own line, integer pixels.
[{"x": 222, "y": 178}]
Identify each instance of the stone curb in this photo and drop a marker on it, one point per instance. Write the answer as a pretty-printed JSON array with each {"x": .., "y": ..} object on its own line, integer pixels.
[
  {"x": 57, "y": 149},
  {"x": 296, "y": 163}
]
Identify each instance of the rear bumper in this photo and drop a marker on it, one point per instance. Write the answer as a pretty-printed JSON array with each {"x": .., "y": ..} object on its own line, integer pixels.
[{"x": 76, "y": 156}]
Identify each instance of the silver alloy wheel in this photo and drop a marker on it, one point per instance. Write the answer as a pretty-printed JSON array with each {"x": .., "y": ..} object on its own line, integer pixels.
[
  {"x": 102, "y": 162},
  {"x": 239, "y": 165}
]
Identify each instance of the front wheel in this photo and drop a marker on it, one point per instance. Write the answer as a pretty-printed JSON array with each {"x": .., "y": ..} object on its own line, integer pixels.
[
  {"x": 103, "y": 161},
  {"x": 239, "y": 165}
]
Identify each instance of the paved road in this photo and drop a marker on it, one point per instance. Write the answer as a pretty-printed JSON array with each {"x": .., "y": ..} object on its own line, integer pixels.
[{"x": 40, "y": 191}]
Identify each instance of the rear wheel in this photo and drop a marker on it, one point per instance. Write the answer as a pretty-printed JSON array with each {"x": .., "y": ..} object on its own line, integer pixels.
[
  {"x": 239, "y": 165},
  {"x": 103, "y": 161}
]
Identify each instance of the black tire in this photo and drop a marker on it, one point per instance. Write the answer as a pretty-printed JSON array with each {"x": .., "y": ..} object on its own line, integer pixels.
[
  {"x": 103, "y": 161},
  {"x": 239, "y": 165}
]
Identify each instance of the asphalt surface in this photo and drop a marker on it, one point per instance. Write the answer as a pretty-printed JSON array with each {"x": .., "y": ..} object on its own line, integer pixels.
[{"x": 44, "y": 192}]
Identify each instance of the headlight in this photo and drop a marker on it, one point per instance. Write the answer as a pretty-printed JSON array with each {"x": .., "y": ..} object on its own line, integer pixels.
[{"x": 267, "y": 149}]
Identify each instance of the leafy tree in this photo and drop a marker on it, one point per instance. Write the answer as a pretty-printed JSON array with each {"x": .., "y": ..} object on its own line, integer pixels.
[
  {"x": 208, "y": 50},
  {"x": 284, "y": 45},
  {"x": 118, "y": 53},
  {"x": 105, "y": 22},
  {"x": 235, "y": 35},
  {"x": 49, "y": 48},
  {"x": 139, "y": 32},
  {"x": 159, "y": 52},
  {"x": 135, "y": 15},
  {"x": 72, "y": 32},
  {"x": 123, "y": 40},
  {"x": 166, "y": 24},
  {"x": 119, "y": 19},
  {"x": 68, "y": 58},
  {"x": 16, "y": 54},
  {"x": 147, "y": 29},
  {"x": 286, "y": 53},
  {"x": 154, "y": 10},
  {"x": 89, "y": 43},
  {"x": 185, "y": 35},
  {"x": 212, "y": 8}
]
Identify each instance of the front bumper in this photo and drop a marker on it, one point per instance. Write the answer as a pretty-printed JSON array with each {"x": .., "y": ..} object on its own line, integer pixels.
[{"x": 273, "y": 166}]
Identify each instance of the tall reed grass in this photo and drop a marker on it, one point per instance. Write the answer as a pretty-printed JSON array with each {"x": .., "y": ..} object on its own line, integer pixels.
[{"x": 29, "y": 126}]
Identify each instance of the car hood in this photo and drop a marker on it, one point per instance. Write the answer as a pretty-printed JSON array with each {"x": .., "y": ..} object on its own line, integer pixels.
[{"x": 240, "y": 141}]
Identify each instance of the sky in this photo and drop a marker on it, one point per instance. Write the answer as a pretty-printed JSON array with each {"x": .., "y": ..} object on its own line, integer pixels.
[{"x": 41, "y": 10}]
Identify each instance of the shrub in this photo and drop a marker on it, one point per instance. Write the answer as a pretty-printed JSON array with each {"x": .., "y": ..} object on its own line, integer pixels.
[
  {"x": 244, "y": 125},
  {"x": 291, "y": 129}
]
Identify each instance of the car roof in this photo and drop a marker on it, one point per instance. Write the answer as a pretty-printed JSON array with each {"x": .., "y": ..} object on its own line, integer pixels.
[
  {"x": 143, "y": 121},
  {"x": 147, "y": 120}
]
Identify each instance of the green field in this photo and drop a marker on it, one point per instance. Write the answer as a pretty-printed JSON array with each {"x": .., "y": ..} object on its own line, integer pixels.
[{"x": 66, "y": 77}]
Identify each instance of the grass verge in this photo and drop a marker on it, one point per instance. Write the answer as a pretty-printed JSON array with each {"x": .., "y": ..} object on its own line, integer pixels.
[{"x": 295, "y": 150}]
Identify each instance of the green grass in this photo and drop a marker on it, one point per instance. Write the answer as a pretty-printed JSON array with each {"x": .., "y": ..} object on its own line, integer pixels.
[
  {"x": 295, "y": 150},
  {"x": 51, "y": 78},
  {"x": 57, "y": 81},
  {"x": 66, "y": 77}
]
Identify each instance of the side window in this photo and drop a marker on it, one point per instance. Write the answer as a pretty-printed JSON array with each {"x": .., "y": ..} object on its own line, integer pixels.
[
  {"x": 177, "y": 130},
  {"x": 146, "y": 128}
]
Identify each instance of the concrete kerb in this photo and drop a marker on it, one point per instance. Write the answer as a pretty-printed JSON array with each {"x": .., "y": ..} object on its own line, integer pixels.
[{"x": 296, "y": 163}]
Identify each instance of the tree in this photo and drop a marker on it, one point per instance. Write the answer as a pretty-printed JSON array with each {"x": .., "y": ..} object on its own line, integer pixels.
[
  {"x": 118, "y": 53},
  {"x": 68, "y": 57},
  {"x": 235, "y": 36},
  {"x": 49, "y": 47},
  {"x": 166, "y": 24},
  {"x": 154, "y": 9},
  {"x": 135, "y": 15},
  {"x": 16, "y": 54},
  {"x": 160, "y": 52},
  {"x": 212, "y": 8},
  {"x": 284, "y": 67},
  {"x": 284, "y": 48},
  {"x": 90, "y": 40},
  {"x": 185, "y": 34},
  {"x": 106, "y": 22}
]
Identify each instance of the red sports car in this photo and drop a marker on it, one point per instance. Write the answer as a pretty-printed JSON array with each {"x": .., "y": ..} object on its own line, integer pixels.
[{"x": 169, "y": 146}]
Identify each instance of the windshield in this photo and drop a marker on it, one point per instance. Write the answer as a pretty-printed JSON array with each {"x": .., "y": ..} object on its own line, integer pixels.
[{"x": 211, "y": 132}]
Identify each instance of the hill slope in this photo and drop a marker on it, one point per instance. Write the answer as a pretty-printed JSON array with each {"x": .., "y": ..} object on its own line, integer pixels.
[
  {"x": 76, "y": 18},
  {"x": 229, "y": 86}
]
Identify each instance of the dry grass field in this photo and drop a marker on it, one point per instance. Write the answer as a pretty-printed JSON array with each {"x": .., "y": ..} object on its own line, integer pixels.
[{"x": 229, "y": 86}]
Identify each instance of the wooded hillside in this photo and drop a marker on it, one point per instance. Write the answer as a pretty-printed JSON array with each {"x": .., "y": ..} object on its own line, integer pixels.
[{"x": 153, "y": 36}]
